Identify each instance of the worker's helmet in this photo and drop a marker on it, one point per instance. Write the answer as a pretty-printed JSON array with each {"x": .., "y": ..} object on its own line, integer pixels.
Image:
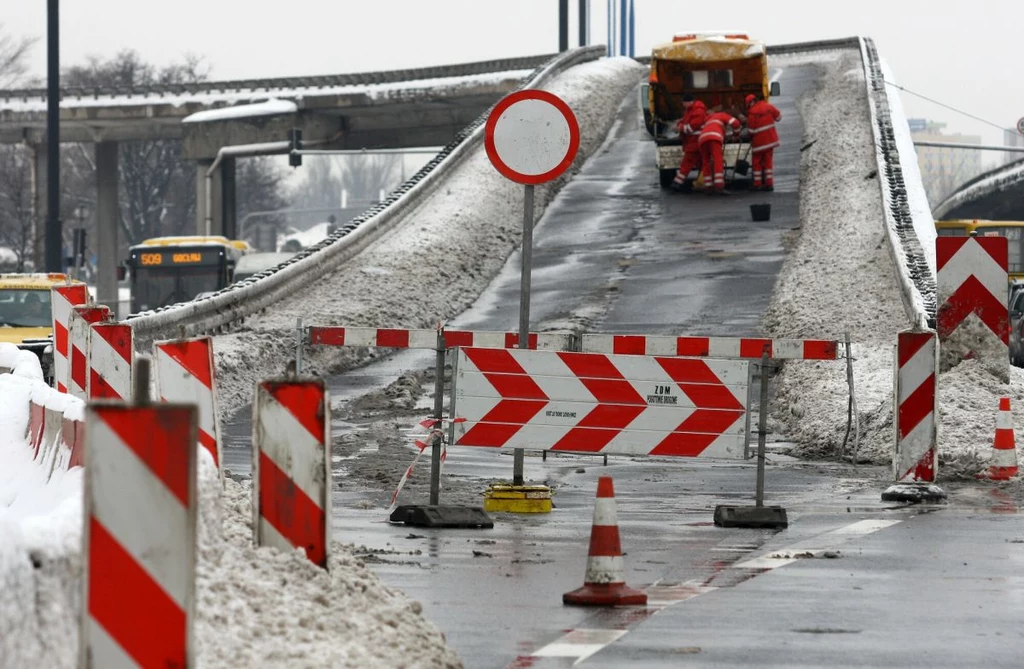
[{"x": 750, "y": 99}]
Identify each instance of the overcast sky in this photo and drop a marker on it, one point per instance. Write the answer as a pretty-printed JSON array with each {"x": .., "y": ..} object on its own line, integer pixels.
[{"x": 955, "y": 52}]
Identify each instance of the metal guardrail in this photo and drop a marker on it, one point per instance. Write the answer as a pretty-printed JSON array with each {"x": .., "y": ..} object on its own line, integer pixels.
[
  {"x": 917, "y": 282},
  {"x": 284, "y": 83},
  {"x": 231, "y": 305}
]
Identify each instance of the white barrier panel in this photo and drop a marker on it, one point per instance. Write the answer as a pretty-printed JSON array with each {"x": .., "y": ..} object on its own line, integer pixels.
[
  {"x": 916, "y": 419},
  {"x": 82, "y": 318},
  {"x": 185, "y": 373},
  {"x": 589, "y": 402},
  {"x": 62, "y": 299},
  {"x": 110, "y": 361},
  {"x": 139, "y": 541},
  {"x": 291, "y": 472}
]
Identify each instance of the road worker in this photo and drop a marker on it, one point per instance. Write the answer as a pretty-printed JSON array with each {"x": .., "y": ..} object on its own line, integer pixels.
[
  {"x": 711, "y": 139},
  {"x": 694, "y": 114},
  {"x": 761, "y": 119}
]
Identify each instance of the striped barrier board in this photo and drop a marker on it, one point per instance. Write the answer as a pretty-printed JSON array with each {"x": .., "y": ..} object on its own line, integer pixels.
[
  {"x": 972, "y": 318},
  {"x": 185, "y": 374},
  {"x": 596, "y": 403},
  {"x": 404, "y": 338},
  {"x": 110, "y": 355},
  {"x": 62, "y": 299},
  {"x": 82, "y": 318},
  {"x": 916, "y": 457},
  {"x": 712, "y": 347},
  {"x": 139, "y": 541},
  {"x": 291, "y": 472}
]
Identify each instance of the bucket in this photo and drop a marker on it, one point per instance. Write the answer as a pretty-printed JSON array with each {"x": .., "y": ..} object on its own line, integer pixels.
[{"x": 761, "y": 212}]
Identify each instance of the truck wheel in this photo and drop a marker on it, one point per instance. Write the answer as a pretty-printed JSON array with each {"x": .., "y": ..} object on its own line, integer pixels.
[{"x": 666, "y": 177}]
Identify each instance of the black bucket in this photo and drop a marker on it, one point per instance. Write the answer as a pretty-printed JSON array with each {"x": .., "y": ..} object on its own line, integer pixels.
[{"x": 761, "y": 212}]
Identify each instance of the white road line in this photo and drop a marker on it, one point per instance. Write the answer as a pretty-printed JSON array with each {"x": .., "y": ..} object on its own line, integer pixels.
[{"x": 816, "y": 545}]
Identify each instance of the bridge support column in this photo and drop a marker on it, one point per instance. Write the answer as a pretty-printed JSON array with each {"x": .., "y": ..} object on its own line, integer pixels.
[
  {"x": 216, "y": 213},
  {"x": 107, "y": 215},
  {"x": 39, "y": 167},
  {"x": 229, "y": 205}
]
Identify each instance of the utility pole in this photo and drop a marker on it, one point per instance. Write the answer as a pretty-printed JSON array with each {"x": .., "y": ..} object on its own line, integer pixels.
[
  {"x": 563, "y": 25},
  {"x": 584, "y": 22},
  {"x": 54, "y": 253}
]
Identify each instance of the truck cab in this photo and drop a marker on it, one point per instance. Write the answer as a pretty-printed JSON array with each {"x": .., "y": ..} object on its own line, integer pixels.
[{"x": 26, "y": 316}]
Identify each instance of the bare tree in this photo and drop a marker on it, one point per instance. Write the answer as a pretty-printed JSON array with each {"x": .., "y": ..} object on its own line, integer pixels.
[
  {"x": 321, "y": 188},
  {"x": 13, "y": 58},
  {"x": 16, "y": 212},
  {"x": 258, "y": 188},
  {"x": 364, "y": 177}
]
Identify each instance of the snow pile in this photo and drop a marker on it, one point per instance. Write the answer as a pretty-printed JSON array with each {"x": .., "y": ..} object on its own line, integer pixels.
[
  {"x": 270, "y": 107},
  {"x": 434, "y": 263},
  {"x": 14, "y": 360},
  {"x": 256, "y": 607},
  {"x": 839, "y": 276}
]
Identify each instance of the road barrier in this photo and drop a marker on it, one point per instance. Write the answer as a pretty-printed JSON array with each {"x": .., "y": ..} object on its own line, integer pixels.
[
  {"x": 82, "y": 317},
  {"x": 712, "y": 347},
  {"x": 589, "y": 402},
  {"x": 291, "y": 470},
  {"x": 139, "y": 542},
  {"x": 423, "y": 338},
  {"x": 62, "y": 299},
  {"x": 916, "y": 455},
  {"x": 110, "y": 356},
  {"x": 972, "y": 318},
  {"x": 185, "y": 374}
]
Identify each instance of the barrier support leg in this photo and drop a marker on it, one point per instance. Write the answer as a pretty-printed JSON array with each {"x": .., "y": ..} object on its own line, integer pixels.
[{"x": 759, "y": 515}]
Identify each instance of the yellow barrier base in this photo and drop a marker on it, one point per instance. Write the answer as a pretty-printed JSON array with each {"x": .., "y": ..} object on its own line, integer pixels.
[{"x": 504, "y": 498}]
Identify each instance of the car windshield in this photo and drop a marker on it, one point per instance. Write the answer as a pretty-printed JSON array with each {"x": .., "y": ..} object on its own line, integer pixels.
[{"x": 25, "y": 308}]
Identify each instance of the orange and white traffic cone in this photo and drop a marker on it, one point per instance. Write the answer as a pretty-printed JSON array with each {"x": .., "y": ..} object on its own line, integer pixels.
[
  {"x": 604, "y": 583},
  {"x": 1004, "y": 453}
]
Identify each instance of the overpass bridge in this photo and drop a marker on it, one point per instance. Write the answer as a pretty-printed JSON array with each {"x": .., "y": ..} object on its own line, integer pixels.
[
  {"x": 995, "y": 194},
  {"x": 369, "y": 110}
]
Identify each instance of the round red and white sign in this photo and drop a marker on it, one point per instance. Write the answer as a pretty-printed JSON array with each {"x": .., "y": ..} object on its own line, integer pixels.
[
  {"x": 532, "y": 136},
  {"x": 1020, "y": 126}
]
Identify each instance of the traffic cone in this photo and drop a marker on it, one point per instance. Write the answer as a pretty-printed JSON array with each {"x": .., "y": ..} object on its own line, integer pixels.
[
  {"x": 1004, "y": 453},
  {"x": 604, "y": 583}
]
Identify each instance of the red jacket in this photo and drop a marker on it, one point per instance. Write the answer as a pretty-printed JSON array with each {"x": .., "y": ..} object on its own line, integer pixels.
[
  {"x": 761, "y": 119},
  {"x": 714, "y": 128},
  {"x": 691, "y": 123}
]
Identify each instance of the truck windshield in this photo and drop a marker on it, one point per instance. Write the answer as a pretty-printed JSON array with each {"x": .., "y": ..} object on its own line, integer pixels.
[
  {"x": 21, "y": 308},
  {"x": 155, "y": 287}
]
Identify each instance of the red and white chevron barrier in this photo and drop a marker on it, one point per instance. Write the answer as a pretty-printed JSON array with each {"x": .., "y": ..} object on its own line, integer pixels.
[
  {"x": 62, "y": 299},
  {"x": 589, "y": 402},
  {"x": 916, "y": 416},
  {"x": 405, "y": 338},
  {"x": 292, "y": 481},
  {"x": 972, "y": 318},
  {"x": 712, "y": 347},
  {"x": 82, "y": 318},
  {"x": 139, "y": 541},
  {"x": 185, "y": 373},
  {"x": 110, "y": 356}
]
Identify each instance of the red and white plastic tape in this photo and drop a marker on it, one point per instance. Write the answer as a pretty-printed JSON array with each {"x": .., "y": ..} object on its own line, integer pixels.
[
  {"x": 407, "y": 338},
  {"x": 712, "y": 347}
]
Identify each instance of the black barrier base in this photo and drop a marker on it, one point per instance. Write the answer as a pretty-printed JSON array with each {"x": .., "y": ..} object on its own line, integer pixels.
[
  {"x": 914, "y": 493},
  {"x": 751, "y": 516},
  {"x": 422, "y": 515}
]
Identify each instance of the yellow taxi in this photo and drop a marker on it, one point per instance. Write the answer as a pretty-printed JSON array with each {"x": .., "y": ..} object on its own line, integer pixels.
[{"x": 25, "y": 316}]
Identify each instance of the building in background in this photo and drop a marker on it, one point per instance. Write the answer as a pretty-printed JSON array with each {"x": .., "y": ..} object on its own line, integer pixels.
[
  {"x": 1012, "y": 138},
  {"x": 943, "y": 170}
]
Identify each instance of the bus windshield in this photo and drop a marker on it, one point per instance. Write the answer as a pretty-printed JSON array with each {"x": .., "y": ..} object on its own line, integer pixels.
[{"x": 155, "y": 287}]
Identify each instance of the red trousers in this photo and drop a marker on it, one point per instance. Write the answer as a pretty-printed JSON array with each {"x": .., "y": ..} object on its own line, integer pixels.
[
  {"x": 762, "y": 164},
  {"x": 714, "y": 168},
  {"x": 691, "y": 161}
]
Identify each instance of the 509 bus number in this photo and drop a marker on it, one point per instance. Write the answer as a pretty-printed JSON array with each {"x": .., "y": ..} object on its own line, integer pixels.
[{"x": 151, "y": 258}]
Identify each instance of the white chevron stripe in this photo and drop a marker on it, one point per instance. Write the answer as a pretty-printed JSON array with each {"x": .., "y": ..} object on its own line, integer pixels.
[
  {"x": 971, "y": 259},
  {"x": 914, "y": 446},
  {"x": 135, "y": 506},
  {"x": 269, "y": 536},
  {"x": 917, "y": 370},
  {"x": 290, "y": 446}
]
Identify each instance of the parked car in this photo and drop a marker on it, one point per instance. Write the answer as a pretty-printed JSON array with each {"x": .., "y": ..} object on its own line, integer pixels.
[{"x": 1016, "y": 302}]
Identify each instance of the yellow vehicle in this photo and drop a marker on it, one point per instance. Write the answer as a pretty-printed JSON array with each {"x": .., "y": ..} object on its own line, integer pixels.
[
  {"x": 719, "y": 69},
  {"x": 169, "y": 270},
  {"x": 26, "y": 319},
  {"x": 1012, "y": 230}
]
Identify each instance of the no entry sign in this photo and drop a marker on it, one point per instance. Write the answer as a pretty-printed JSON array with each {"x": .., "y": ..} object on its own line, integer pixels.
[{"x": 532, "y": 136}]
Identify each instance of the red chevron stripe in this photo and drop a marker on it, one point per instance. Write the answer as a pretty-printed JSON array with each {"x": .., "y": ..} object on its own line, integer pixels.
[
  {"x": 946, "y": 248},
  {"x": 99, "y": 389},
  {"x": 194, "y": 355},
  {"x": 972, "y": 297},
  {"x": 917, "y": 407},
  {"x": 688, "y": 370},
  {"x": 150, "y": 433},
  {"x": 119, "y": 337},
  {"x": 303, "y": 400},
  {"x": 78, "y": 367},
  {"x": 291, "y": 511},
  {"x": 923, "y": 469},
  {"x": 133, "y": 609},
  {"x": 207, "y": 441},
  {"x": 60, "y": 337},
  {"x": 909, "y": 343}
]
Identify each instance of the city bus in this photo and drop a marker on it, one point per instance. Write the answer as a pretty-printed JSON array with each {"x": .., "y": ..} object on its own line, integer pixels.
[{"x": 168, "y": 270}]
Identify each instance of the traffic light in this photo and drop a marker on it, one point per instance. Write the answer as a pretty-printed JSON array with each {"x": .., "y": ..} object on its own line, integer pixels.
[{"x": 295, "y": 140}]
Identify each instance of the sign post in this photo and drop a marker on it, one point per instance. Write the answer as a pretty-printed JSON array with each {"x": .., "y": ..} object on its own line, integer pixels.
[{"x": 531, "y": 138}]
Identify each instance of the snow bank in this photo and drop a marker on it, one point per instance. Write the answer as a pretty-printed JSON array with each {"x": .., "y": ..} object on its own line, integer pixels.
[
  {"x": 271, "y": 107},
  {"x": 838, "y": 276},
  {"x": 14, "y": 360},
  {"x": 436, "y": 260}
]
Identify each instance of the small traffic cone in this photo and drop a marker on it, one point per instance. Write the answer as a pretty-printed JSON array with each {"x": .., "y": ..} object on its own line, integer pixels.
[
  {"x": 1004, "y": 453},
  {"x": 604, "y": 583}
]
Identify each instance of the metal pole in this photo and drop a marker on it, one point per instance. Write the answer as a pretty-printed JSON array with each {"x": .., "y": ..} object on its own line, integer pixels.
[
  {"x": 762, "y": 429},
  {"x": 54, "y": 250},
  {"x": 298, "y": 345},
  {"x": 970, "y": 147},
  {"x": 563, "y": 25},
  {"x": 524, "y": 307},
  {"x": 584, "y": 21},
  {"x": 140, "y": 370},
  {"x": 622, "y": 27},
  {"x": 632, "y": 30},
  {"x": 611, "y": 28},
  {"x": 436, "y": 439},
  {"x": 849, "y": 403}
]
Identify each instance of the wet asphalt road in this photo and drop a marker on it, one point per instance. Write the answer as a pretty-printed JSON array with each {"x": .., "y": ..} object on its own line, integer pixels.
[{"x": 614, "y": 253}]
